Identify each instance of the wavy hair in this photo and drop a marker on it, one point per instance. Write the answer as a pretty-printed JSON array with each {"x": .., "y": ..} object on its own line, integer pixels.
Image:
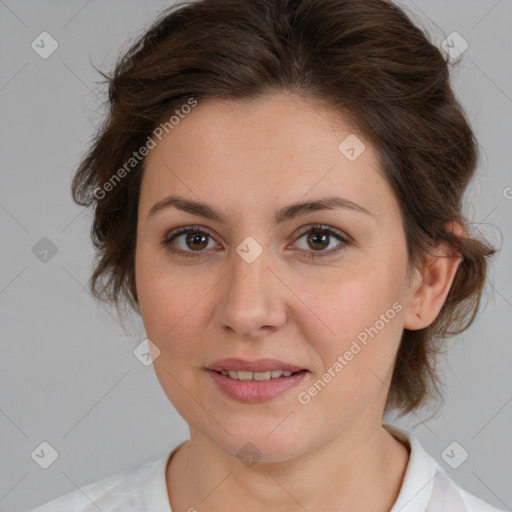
[{"x": 364, "y": 59}]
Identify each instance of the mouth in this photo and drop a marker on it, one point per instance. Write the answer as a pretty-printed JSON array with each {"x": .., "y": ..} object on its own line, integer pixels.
[
  {"x": 257, "y": 376},
  {"x": 255, "y": 381},
  {"x": 265, "y": 365}
]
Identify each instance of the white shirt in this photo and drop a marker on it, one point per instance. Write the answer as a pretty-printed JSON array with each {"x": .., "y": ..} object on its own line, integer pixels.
[{"x": 426, "y": 488}]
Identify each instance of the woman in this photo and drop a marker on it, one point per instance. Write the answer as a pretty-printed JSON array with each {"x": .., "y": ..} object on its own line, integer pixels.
[{"x": 278, "y": 189}]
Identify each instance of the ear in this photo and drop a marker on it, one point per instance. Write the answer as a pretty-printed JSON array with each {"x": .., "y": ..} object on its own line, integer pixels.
[{"x": 431, "y": 284}]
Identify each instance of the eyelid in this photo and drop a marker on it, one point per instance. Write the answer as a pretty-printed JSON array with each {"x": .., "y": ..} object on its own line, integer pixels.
[
  {"x": 174, "y": 233},
  {"x": 344, "y": 239},
  {"x": 324, "y": 227},
  {"x": 302, "y": 231}
]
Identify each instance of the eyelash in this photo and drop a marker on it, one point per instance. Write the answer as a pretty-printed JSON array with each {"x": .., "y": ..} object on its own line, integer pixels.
[{"x": 171, "y": 235}]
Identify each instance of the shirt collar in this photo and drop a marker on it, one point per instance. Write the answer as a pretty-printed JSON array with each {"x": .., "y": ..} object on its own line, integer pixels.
[
  {"x": 419, "y": 476},
  {"x": 154, "y": 487}
]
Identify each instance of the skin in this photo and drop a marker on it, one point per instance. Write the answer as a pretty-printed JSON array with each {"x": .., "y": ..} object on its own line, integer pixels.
[{"x": 248, "y": 160}]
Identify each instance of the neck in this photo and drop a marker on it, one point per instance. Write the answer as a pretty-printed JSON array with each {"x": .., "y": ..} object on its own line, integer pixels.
[{"x": 362, "y": 470}]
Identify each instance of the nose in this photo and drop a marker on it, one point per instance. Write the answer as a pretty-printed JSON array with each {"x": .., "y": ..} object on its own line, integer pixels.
[{"x": 252, "y": 300}]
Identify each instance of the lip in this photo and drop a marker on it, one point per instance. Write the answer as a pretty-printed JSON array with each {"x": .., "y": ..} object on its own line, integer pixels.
[
  {"x": 253, "y": 391},
  {"x": 257, "y": 365}
]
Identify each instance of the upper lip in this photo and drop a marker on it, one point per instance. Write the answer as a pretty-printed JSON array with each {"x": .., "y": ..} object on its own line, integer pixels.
[{"x": 256, "y": 365}]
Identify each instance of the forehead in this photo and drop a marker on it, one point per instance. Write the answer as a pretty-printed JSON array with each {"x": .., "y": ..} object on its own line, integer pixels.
[
  {"x": 279, "y": 123},
  {"x": 275, "y": 150}
]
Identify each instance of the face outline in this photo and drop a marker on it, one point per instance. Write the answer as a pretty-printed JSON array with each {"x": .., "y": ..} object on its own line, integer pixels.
[{"x": 248, "y": 160}]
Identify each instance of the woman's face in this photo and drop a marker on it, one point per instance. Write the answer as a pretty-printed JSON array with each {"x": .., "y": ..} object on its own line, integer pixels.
[{"x": 246, "y": 286}]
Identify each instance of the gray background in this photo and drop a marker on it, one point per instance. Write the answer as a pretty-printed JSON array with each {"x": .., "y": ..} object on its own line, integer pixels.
[{"x": 68, "y": 374}]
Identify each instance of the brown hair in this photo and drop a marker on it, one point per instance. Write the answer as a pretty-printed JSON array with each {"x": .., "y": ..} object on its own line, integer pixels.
[{"x": 362, "y": 58}]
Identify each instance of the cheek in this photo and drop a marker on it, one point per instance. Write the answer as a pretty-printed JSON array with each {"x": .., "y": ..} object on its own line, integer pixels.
[
  {"x": 356, "y": 357},
  {"x": 350, "y": 302},
  {"x": 161, "y": 298},
  {"x": 172, "y": 301},
  {"x": 355, "y": 325}
]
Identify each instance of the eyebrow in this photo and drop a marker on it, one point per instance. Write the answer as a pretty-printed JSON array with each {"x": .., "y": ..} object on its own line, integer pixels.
[{"x": 283, "y": 214}]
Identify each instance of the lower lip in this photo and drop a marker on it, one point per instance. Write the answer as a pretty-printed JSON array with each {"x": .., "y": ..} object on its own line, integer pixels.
[{"x": 254, "y": 391}]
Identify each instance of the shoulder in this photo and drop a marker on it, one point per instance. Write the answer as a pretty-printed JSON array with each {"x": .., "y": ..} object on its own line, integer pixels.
[
  {"x": 474, "y": 503},
  {"x": 428, "y": 487},
  {"x": 107, "y": 494},
  {"x": 121, "y": 491},
  {"x": 454, "y": 497}
]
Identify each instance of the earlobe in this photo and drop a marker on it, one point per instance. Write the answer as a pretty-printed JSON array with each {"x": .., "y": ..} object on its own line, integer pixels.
[{"x": 435, "y": 280}]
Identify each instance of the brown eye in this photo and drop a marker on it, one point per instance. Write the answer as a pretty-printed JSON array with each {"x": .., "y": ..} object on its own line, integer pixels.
[
  {"x": 319, "y": 238},
  {"x": 194, "y": 240}
]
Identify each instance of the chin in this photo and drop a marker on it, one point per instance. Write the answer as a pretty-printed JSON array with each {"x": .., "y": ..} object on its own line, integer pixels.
[
  {"x": 252, "y": 449},
  {"x": 261, "y": 441}
]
